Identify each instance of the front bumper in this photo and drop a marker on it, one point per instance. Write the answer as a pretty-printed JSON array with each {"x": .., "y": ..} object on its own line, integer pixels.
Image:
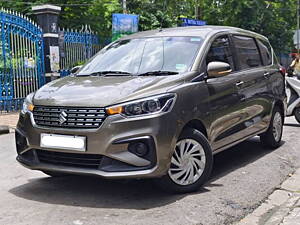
[{"x": 107, "y": 147}]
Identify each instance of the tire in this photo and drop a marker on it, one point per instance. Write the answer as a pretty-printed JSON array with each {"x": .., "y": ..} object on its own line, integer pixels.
[
  {"x": 272, "y": 137},
  {"x": 297, "y": 114},
  {"x": 54, "y": 174},
  {"x": 192, "y": 162}
]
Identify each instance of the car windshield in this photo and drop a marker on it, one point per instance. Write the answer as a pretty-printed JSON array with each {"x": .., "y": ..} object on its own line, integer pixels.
[{"x": 141, "y": 56}]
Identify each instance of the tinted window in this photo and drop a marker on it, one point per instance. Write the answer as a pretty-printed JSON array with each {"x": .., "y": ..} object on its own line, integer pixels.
[
  {"x": 247, "y": 52},
  {"x": 265, "y": 50},
  {"x": 220, "y": 51}
]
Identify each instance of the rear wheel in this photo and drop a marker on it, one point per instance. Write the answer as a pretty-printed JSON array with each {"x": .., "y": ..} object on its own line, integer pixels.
[
  {"x": 297, "y": 114},
  {"x": 272, "y": 137},
  {"x": 191, "y": 163}
]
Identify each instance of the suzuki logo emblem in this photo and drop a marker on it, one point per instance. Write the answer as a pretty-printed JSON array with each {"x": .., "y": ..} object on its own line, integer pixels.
[{"x": 62, "y": 117}]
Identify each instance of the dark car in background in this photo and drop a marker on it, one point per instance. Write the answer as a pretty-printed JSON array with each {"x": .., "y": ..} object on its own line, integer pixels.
[{"x": 156, "y": 104}]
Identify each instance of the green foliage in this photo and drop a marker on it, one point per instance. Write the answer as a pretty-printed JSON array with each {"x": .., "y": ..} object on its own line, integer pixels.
[
  {"x": 160, "y": 13},
  {"x": 275, "y": 19},
  {"x": 97, "y": 14},
  {"x": 79, "y": 63}
]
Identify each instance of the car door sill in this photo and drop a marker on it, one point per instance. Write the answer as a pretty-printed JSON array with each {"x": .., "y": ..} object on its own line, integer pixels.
[{"x": 239, "y": 141}]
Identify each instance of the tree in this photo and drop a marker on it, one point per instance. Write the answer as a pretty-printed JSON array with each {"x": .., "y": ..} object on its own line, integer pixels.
[
  {"x": 96, "y": 13},
  {"x": 275, "y": 19},
  {"x": 75, "y": 13}
]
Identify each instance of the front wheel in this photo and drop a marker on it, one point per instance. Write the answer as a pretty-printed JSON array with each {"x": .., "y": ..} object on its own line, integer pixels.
[
  {"x": 272, "y": 137},
  {"x": 297, "y": 114},
  {"x": 191, "y": 163}
]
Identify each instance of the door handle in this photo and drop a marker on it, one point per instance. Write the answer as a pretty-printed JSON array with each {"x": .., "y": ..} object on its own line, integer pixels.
[
  {"x": 239, "y": 84},
  {"x": 266, "y": 75}
]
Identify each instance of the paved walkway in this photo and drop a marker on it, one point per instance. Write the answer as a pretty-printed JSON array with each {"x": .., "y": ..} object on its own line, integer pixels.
[
  {"x": 9, "y": 119},
  {"x": 282, "y": 207}
]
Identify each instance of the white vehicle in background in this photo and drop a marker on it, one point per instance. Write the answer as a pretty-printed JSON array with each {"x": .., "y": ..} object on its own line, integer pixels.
[{"x": 293, "y": 97}]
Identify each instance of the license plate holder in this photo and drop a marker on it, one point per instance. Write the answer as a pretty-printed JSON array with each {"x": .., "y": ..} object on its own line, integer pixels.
[{"x": 66, "y": 142}]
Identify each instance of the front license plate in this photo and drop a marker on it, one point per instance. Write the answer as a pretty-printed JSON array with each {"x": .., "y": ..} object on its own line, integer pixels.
[{"x": 67, "y": 142}]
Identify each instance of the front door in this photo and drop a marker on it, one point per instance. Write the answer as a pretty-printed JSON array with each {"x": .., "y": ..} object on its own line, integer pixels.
[{"x": 224, "y": 100}]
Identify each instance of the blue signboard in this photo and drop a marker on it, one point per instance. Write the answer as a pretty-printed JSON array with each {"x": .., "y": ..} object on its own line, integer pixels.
[
  {"x": 124, "y": 24},
  {"x": 191, "y": 22}
]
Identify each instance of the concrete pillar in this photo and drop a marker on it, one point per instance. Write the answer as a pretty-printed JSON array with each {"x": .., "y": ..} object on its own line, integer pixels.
[{"x": 47, "y": 19}]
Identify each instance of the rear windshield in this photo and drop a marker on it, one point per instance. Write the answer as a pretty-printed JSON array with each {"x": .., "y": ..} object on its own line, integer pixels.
[{"x": 137, "y": 56}]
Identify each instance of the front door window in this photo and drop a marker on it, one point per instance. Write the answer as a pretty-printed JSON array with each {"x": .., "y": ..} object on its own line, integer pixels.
[{"x": 220, "y": 51}]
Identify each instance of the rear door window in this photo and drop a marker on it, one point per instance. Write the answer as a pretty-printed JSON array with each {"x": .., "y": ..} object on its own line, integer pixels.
[
  {"x": 266, "y": 51},
  {"x": 248, "y": 55},
  {"x": 220, "y": 51}
]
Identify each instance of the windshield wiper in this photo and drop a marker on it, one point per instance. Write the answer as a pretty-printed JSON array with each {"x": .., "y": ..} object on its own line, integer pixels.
[
  {"x": 105, "y": 73},
  {"x": 158, "y": 73}
]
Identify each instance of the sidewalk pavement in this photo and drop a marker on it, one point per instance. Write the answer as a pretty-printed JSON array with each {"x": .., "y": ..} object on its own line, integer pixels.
[
  {"x": 282, "y": 207},
  {"x": 8, "y": 122}
]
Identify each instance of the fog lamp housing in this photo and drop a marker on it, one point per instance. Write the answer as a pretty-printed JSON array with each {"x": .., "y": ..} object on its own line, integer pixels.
[{"x": 138, "y": 148}]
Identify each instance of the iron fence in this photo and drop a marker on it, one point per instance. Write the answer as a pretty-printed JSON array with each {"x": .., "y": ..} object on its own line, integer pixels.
[
  {"x": 22, "y": 65},
  {"x": 21, "y": 59},
  {"x": 76, "y": 47}
]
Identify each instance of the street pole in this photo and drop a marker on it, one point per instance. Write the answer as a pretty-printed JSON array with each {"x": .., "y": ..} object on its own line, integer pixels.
[
  {"x": 124, "y": 6},
  {"x": 198, "y": 10},
  {"x": 298, "y": 8}
]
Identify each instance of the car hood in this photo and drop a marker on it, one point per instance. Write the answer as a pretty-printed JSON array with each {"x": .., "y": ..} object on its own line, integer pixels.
[{"x": 89, "y": 91}]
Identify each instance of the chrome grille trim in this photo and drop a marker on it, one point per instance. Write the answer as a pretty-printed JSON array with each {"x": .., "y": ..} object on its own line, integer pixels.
[{"x": 77, "y": 117}]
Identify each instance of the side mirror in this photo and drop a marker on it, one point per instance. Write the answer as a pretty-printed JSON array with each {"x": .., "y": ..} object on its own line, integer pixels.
[
  {"x": 218, "y": 69},
  {"x": 75, "y": 69}
]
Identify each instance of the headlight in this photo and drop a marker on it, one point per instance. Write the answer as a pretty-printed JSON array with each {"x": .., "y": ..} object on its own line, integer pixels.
[
  {"x": 27, "y": 105},
  {"x": 145, "y": 106}
]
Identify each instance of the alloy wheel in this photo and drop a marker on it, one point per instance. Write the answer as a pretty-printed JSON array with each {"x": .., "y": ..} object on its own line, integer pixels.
[
  {"x": 297, "y": 114},
  {"x": 187, "y": 163},
  {"x": 277, "y": 126}
]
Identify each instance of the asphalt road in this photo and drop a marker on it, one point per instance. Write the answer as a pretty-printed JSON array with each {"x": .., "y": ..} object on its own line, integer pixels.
[{"x": 243, "y": 176}]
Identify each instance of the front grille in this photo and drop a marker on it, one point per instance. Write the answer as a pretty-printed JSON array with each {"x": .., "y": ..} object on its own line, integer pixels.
[
  {"x": 68, "y": 117},
  {"x": 69, "y": 159}
]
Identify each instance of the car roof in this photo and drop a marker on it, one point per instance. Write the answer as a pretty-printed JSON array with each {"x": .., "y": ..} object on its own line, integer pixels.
[{"x": 202, "y": 31}]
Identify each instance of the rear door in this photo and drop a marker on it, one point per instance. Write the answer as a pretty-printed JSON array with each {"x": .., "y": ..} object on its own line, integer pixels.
[
  {"x": 255, "y": 102},
  {"x": 275, "y": 78}
]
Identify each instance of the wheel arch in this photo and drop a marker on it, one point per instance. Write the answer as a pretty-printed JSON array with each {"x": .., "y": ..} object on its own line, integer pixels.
[
  {"x": 196, "y": 124},
  {"x": 280, "y": 105}
]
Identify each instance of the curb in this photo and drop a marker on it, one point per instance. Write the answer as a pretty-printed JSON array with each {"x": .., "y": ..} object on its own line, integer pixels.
[
  {"x": 281, "y": 207},
  {"x": 4, "y": 129}
]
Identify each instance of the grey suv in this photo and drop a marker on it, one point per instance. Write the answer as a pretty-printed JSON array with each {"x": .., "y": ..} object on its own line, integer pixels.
[{"x": 156, "y": 104}]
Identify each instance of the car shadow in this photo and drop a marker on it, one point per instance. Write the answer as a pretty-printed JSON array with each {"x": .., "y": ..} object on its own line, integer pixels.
[
  {"x": 129, "y": 194},
  {"x": 238, "y": 157}
]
